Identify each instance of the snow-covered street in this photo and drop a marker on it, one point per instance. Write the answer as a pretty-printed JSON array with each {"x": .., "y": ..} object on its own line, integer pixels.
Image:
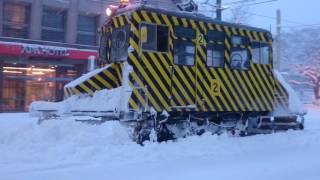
[{"x": 69, "y": 150}]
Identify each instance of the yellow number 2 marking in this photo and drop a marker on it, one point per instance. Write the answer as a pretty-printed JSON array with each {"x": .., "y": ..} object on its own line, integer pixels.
[
  {"x": 215, "y": 87},
  {"x": 200, "y": 39}
]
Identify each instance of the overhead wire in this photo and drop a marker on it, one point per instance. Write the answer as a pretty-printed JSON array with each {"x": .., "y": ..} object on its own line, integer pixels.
[
  {"x": 284, "y": 20},
  {"x": 263, "y": 2},
  {"x": 240, "y": 3},
  {"x": 237, "y": 2}
]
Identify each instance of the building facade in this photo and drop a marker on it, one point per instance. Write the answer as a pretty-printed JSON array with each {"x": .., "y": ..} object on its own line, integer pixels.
[{"x": 45, "y": 44}]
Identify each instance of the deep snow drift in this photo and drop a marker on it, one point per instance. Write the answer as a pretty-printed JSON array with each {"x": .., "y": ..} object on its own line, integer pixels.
[{"x": 64, "y": 149}]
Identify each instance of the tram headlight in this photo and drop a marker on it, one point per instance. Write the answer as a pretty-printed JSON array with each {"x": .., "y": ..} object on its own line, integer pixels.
[
  {"x": 124, "y": 2},
  {"x": 109, "y": 11}
]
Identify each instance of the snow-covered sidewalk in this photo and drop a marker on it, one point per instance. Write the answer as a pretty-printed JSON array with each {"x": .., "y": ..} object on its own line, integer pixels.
[{"x": 69, "y": 150}]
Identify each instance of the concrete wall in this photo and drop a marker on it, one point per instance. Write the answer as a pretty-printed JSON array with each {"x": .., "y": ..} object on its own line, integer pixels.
[{"x": 72, "y": 7}]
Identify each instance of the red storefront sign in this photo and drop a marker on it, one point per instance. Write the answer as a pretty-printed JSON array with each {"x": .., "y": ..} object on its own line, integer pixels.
[{"x": 33, "y": 50}]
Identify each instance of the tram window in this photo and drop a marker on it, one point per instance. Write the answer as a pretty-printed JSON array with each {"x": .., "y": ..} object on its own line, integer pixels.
[
  {"x": 163, "y": 38},
  {"x": 216, "y": 36},
  {"x": 120, "y": 44},
  {"x": 215, "y": 56},
  {"x": 154, "y": 38},
  {"x": 184, "y": 32},
  {"x": 265, "y": 53},
  {"x": 260, "y": 53},
  {"x": 256, "y": 52},
  {"x": 103, "y": 48},
  {"x": 184, "y": 53},
  {"x": 238, "y": 40},
  {"x": 149, "y": 37},
  {"x": 239, "y": 59}
]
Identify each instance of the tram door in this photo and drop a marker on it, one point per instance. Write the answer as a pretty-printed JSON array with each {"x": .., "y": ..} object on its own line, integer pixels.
[{"x": 183, "y": 76}]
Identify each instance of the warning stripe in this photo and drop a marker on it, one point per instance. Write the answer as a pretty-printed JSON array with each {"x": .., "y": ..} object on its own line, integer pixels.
[
  {"x": 251, "y": 90},
  {"x": 107, "y": 79}
]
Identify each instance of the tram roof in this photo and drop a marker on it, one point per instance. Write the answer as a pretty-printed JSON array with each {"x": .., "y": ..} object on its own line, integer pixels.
[{"x": 189, "y": 15}]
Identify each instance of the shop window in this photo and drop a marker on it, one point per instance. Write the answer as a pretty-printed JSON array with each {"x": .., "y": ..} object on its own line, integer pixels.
[
  {"x": 215, "y": 56},
  {"x": 239, "y": 59},
  {"x": 154, "y": 38},
  {"x": 16, "y": 20},
  {"x": 23, "y": 84},
  {"x": 120, "y": 44},
  {"x": 260, "y": 53},
  {"x": 86, "y": 31},
  {"x": 184, "y": 52},
  {"x": 53, "y": 25}
]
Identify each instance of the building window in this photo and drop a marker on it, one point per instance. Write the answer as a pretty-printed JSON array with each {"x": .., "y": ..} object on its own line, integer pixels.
[
  {"x": 16, "y": 20},
  {"x": 184, "y": 52},
  {"x": 86, "y": 32},
  {"x": 23, "y": 84},
  {"x": 53, "y": 25},
  {"x": 260, "y": 53},
  {"x": 154, "y": 38}
]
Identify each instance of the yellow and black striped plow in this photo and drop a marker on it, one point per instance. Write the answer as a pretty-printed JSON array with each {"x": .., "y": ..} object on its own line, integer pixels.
[
  {"x": 281, "y": 96},
  {"x": 109, "y": 78},
  {"x": 158, "y": 83}
]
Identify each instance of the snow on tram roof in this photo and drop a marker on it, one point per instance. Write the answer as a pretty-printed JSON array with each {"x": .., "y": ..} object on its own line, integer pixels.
[{"x": 189, "y": 15}]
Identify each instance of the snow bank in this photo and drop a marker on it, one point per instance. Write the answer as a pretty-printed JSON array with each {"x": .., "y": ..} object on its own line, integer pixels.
[
  {"x": 295, "y": 105},
  {"x": 23, "y": 140},
  {"x": 104, "y": 100},
  {"x": 67, "y": 149}
]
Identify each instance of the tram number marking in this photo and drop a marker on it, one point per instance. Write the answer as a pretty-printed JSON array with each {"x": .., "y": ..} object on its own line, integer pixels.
[
  {"x": 200, "y": 39},
  {"x": 215, "y": 87}
]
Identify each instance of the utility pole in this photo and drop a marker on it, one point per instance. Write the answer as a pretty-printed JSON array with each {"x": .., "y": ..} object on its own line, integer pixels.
[
  {"x": 219, "y": 10},
  {"x": 278, "y": 41}
]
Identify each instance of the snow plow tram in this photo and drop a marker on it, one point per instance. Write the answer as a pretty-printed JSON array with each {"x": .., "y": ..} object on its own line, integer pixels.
[{"x": 177, "y": 74}]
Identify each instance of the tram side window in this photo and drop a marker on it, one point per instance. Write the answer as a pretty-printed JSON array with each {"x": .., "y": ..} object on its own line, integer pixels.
[
  {"x": 215, "y": 55},
  {"x": 260, "y": 53},
  {"x": 239, "y": 40},
  {"x": 154, "y": 38},
  {"x": 239, "y": 59},
  {"x": 184, "y": 52},
  {"x": 103, "y": 49},
  {"x": 265, "y": 53},
  {"x": 256, "y": 52},
  {"x": 215, "y": 49},
  {"x": 239, "y": 53}
]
